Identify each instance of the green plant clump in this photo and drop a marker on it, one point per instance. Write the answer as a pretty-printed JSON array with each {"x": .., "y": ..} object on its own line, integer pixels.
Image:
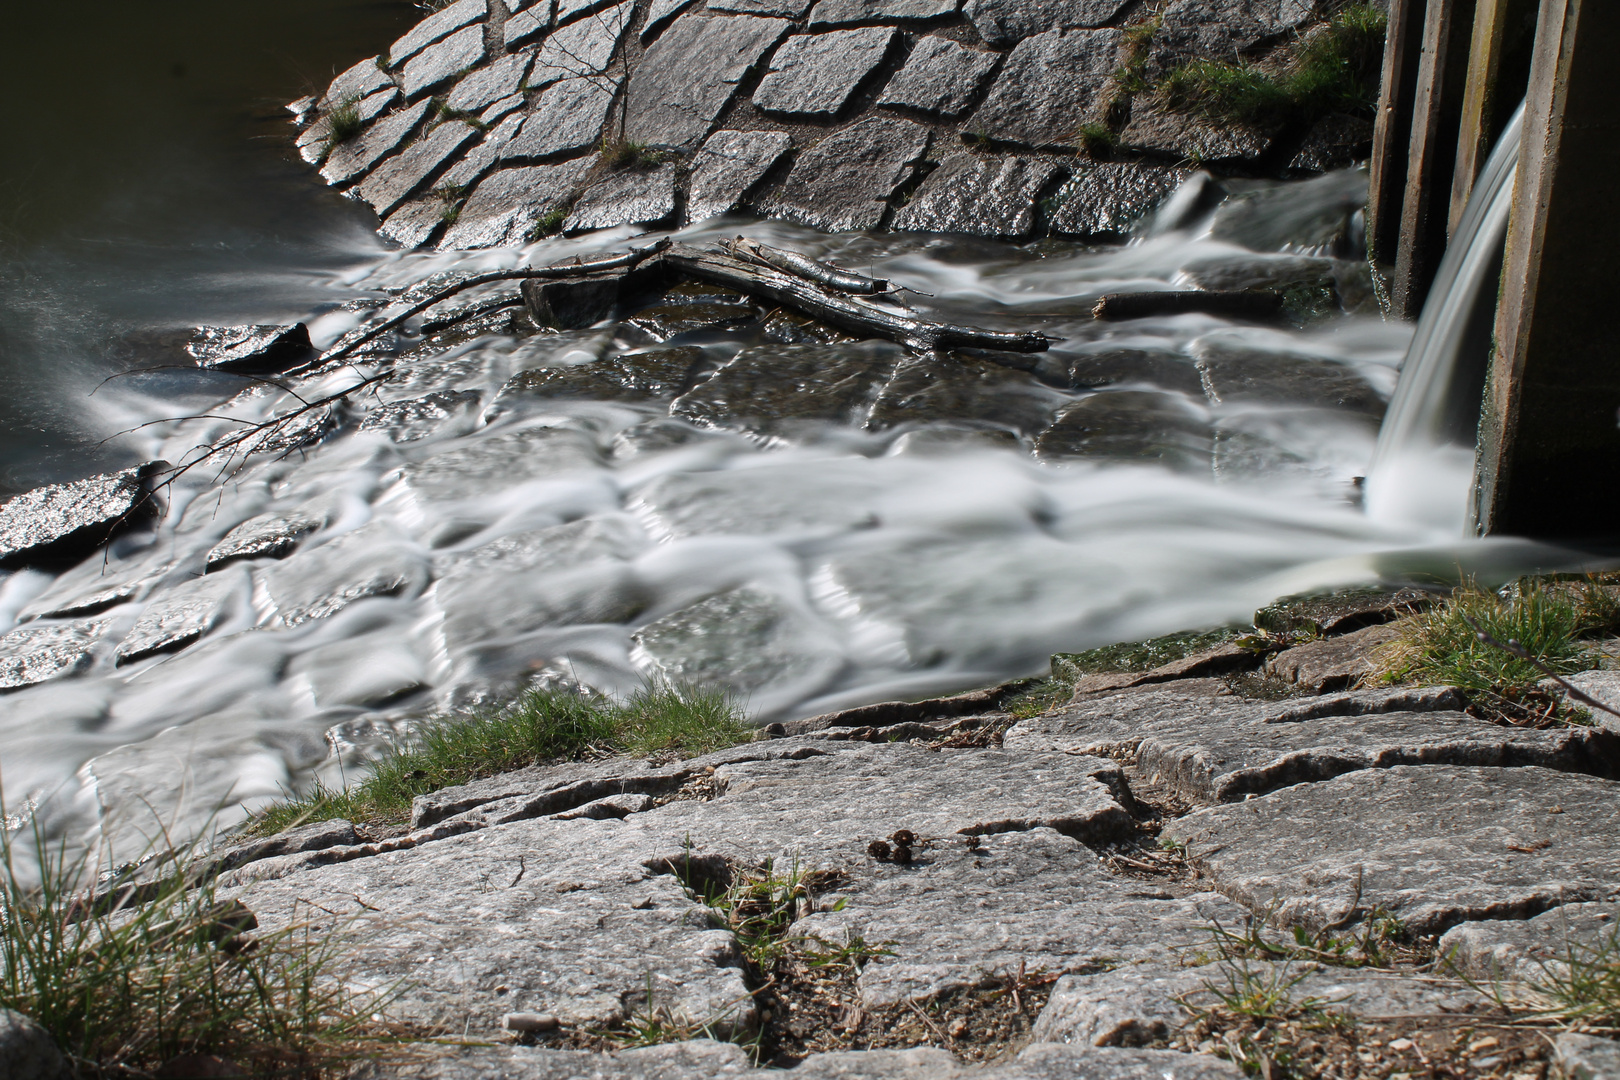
[
  {"x": 542, "y": 726},
  {"x": 125, "y": 989},
  {"x": 550, "y": 223},
  {"x": 343, "y": 122},
  {"x": 621, "y": 155}
]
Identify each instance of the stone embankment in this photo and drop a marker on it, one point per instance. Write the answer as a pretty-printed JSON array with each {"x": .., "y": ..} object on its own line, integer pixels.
[{"x": 490, "y": 125}]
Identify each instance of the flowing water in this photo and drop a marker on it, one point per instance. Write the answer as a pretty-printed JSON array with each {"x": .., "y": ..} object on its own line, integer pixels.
[{"x": 810, "y": 566}]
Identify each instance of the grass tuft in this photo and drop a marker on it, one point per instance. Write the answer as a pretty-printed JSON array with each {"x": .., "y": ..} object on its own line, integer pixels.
[
  {"x": 343, "y": 123},
  {"x": 621, "y": 155},
  {"x": 550, "y": 223},
  {"x": 541, "y": 726},
  {"x": 123, "y": 990}
]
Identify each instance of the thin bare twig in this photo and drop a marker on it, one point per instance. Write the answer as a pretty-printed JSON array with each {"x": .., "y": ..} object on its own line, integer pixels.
[{"x": 1513, "y": 647}]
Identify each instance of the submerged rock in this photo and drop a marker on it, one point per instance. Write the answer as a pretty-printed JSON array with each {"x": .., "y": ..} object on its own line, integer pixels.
[
  {"x": 183, "y": 614},
  {"x": 63, "y": 523},
  {"x": 627, "y": 376},
  {"x": 368, "y": 562},
  {"x": 963, "y": 391},
  {"x": 250, "y": 349},
  {"x": 764, "y": 387},
  {"x": 940, "y": 77},
  {"x": 35, "y": 653},
  {"x": 1109, "y": 199},
  {"x": 1124, "y": 426},
  {"x": 417, "y": 418}
]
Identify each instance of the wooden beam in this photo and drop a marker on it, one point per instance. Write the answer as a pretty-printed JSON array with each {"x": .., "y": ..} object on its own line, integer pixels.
[
  {"x": 1498, "y": 71},
  {"x": 1392, "y": 130}
]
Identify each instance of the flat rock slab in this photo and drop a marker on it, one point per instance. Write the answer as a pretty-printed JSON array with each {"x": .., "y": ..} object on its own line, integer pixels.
[
  {"x": 356, "y": 156},
  {"x": 1332, "y": 663},
  {"x": 567, "y": 119},
  {"x": 362, "y": 80},
  {"x": 1109, "y": 199},
  {"x": 582, "y": 49},
  {"x": 1586, "y": 1057},
  {"x": 979, "y": 196},
  {"x": 66, "y": 522},
  {"x": 1155, "y": 129},
  {"x": 1141, "y": 426},
  {"x": 1050, "y": 85},
  {"x": 689, "y": 75},
  {"x": 507, "y": 205},
  {"x": 627, "y": 197},
  {"x": 1528, "y": 950},
  {"x": 815, "y": 75},
  {"x": 941, "y": 77},
  {"x": 251, "y": 349},
  {"x": 489, "y": 84},
  {"x": 438, "y": 63},
  {"x": 1006, "y": 22},
  {"x": 728, "y": 167},
  {"x": 399, "y": 177},
  {"x": 1433, "y": 845},
  {"x": 828, "y": 13},
  {"x": 37, "y": 653},
  {"x": 439, "y": 25},
  {"x": 768, "y": 387},
  {"x": 1198, "y": 29},
  {"x": 267, "y": 536},
  {"x": 844, "y": 182}
]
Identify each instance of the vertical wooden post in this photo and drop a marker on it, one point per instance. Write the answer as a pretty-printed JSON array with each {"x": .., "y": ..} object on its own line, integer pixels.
[
  {"x": 1392, "y": 130},
  {"x": 1442, "y": 79},
  {"x": 1498, "y": 70},
  {"x": 1549, "y": 448}
]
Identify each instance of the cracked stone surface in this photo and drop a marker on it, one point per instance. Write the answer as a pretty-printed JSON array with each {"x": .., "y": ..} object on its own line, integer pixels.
[
  {"x": 1049, "y": 85},
  {"x": 689, "y": 75},
  {"x": 184, "y": 614},
  {"x": 506, "y": 205},
  {"x": 1333, "y": 663},
  {"x": 660, "y": 13},
  {"x": 437, "y": 64},
  {"x": 567, "y": 119},
  {"x": 832, "y": 13},
  {"x": 1434, "y": 845},
  {"x": 1005, "y": 22},
  {"x": 1586, "y": 1057},
  {"x": 356, "y": 156},
  {"x": 34, "y": 654},
  {"x": 1529, "y": 949},
  {"x": 983, "y": 197},
  {"x": 1110, "y": 198},
  {"x": 727, "y": 167},
  {"x": 66, "y": 522},
  {"x": 844, "y": 182},
  {"x": 581, "y": 49},
  {"x": 440, "y": 24},
  {"x": 787, "y": 9},
  {"x": 489, "y": 84},
  {"x": 627, "y": 197},
  {"x": 940, "y": 77},
  {"x": 815, "y": 74},
  {"x": 396, "y": 179},
  {"x": 360, "y": 81}
]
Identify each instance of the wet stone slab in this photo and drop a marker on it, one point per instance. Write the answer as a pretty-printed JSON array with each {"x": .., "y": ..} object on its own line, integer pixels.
[
  {"x": 833, "y": 13},
  {"x": 317, "y": 583},
  {"x": 466, "y": 469},
  {"x": 765, "y": 387},
  {"x": 268, "y": 536},
  {"x": 506, "y": 206},
  {"x": 582, "y": 49},
  {"x": 844, "y": 182},
  {"x": 183, "y": 614},
  {"x": 940, "y": 77},
  {"x": 627, "y": 197},
  {"x": 417, "y": 418},
  {"x": 1109, "y": 199},
  {"x": 34, "y": 654},
  {"x": 1146, "y": 426},
  {"x": 1162, "y": 369},
  {"x": 1334, "y": 142},
  {"x": 66, "y": 522},
  {"x": 1006, "y": 22},
  {"x": 355, "y": 157},
  {"x": 977, "y": 195},
  {"x": 726, "y": 169},
  {"x": 437, "y": 64},
  {"x": 815, "y": 75},
  {"x": 1236, "y": 375},
  {"x": 250, "y": 349},
  {"x": 666, "y": 321},
  {"x": 396, "y": 179},
  {"x": 1049, "y": 85},
  {"x": 1433, "y": 845},
  {"x": 1154, "y": 129},
  {"x": 965, "y": 390},
  {"x": 415, "y": 222},
  {"x": 567, "y": 119},
  {"x": 440, "y": 24},
  {"x": 689, "y": 75}
]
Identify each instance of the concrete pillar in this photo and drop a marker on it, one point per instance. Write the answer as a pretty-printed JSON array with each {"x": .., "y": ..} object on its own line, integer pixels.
[
  {"x": 1549, "y": 449},
  {"x": 1498, "y": 70},
  {"x": 1442, "y": 79},
  {"x": 1392, "y": 130}
]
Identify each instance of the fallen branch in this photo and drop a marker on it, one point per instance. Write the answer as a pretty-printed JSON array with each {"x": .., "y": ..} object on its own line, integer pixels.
[
  {"x": 791, "y": 262},
  {"x": 837, "y": 309}
]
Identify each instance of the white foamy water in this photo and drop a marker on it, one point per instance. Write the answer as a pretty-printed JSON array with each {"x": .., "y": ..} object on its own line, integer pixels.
[{"x": 606, "y": 544}]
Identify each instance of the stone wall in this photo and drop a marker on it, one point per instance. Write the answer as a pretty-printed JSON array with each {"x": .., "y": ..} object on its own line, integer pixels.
[{"x": 488, "y": 125}]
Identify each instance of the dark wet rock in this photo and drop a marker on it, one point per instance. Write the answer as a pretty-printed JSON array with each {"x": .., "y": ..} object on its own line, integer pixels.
[
  {"x": 830, "y": 13},
  {"x": 845, "y": 181},
  {"x": 435, "y": 27},
  {"x": 437, "y": 64},
  {"x": 791, "y": 328},
  {"x": 1310, "y": 615},
  {"x": 763, "y": 387},
  {"x": 1109, "y": 199},
  {"x": 1201, "y": 29},
  {"x": 315, "y": 141},
  {"x": 726, "y": 169},
  {"x": 1280, "y": 272},
  {"x": 1223, "y": 659},
  {"x": 931, "y": 389},
  {"x": 489, "y": 84},
  {"x": 354, "y": 157},
  {"x": 1334, "y": 142},
  {"x": 288, "y": 429},
  {"x": 182, "y": 615},
  {"x": 581, "y": 50},
  {"x": 1156, "y": 129},
  {"x": 1050, "y": 85},
  {"x": 1527, "y": 949},
  {"x": 1236, "y": 375},
  {"x": 946, "y": 438},
  {"x": 788, "y": 9},
  {"x": 627, "y": 197},
  {"x": 1163, "y": 370},
  {"x": 940, "y": 77},
  {"x": 1432, "y": 845},
  {"x": 978, "y": 195},
  {"x": 568, "y": 118},
  {"x": 357, "y": 83},
  {"x": 1335, "y": 663},
  {"x": 268, "y": 536},
  {"x": 320, "y": 582},
  {"x": 252, "y": 349},
  {"x": 689, "y": 75},
  {"x": 1146, "y": 426},
  {"x": 660, "y": 13},
  {"x": 477, "y": 467},
  {"x": 571, "y": 303},
  {"x": 633, "y": 376},
  {"x": 1005, "y": 22},
  {"x": 665, "y": 321},
  {"x": 1585, "y": 1057},
  {"x": 417, "y": 418},
  {"x": 530, "y": 22},
  {"x": 398, "y": 178},
  {"x": 416, "y": 220},
  {"x": 506, "y": 206},
  {"x": 1309, "y": 216},
  {"x": 27, "y": 1051},
  {"x": 815, "y": 75},
  {"x": 36, "y": 653},
  {"x": 65, "y": 522}
]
